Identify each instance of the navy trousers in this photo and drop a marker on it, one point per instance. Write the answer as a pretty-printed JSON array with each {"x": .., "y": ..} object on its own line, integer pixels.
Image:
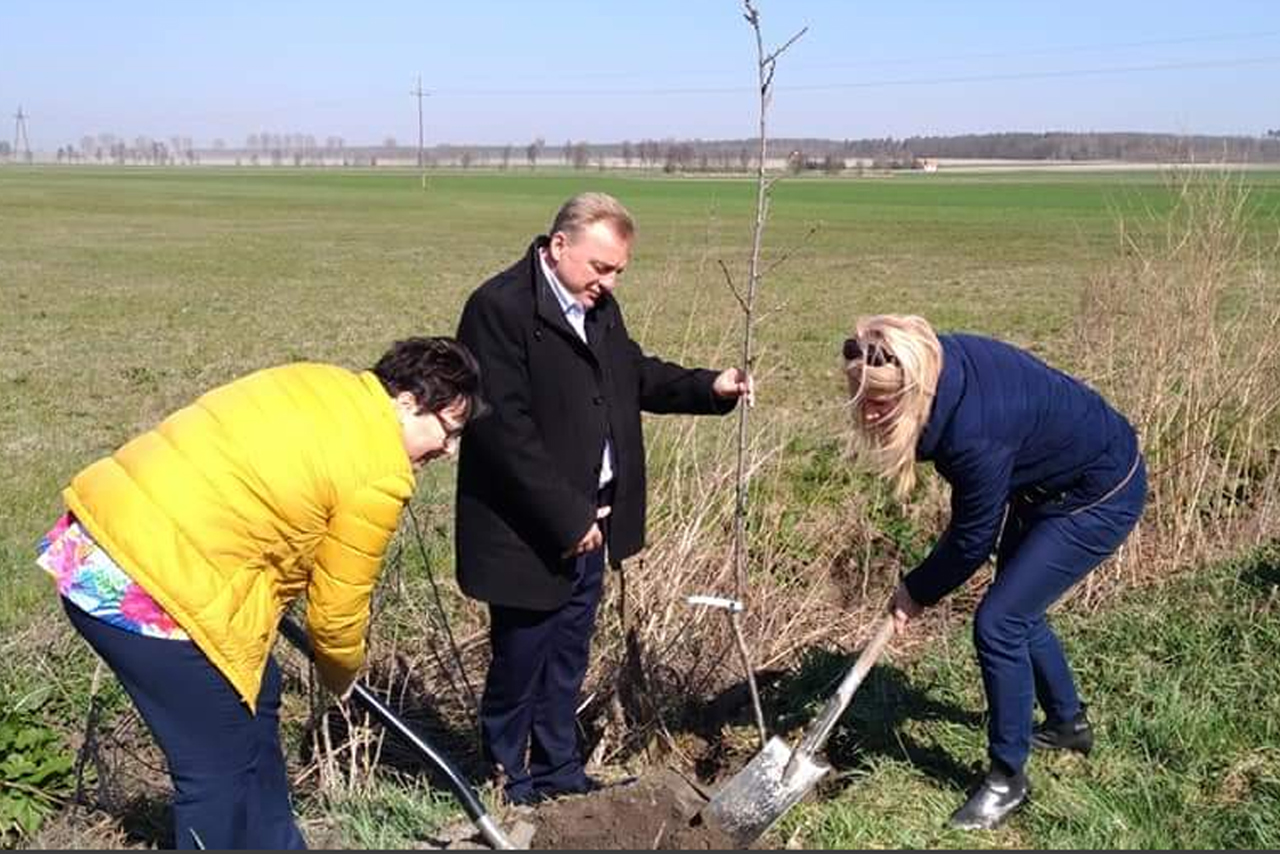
[
  {"x": 1040, "y": 558},
  {"x": 528, "y": 715},
  {"x": 231, "y": 789}
]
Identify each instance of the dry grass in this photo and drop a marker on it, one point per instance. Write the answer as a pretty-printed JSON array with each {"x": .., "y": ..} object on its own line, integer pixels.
[{"x": 1180, "y": 332}]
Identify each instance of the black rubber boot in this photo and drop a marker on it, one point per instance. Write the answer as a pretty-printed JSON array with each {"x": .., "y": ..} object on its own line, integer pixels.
[
  {"x": 995, "y": 799},
  {"x": 1075, "y": 735}
]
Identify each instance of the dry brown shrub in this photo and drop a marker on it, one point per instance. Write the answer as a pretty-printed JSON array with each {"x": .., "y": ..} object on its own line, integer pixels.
[{"x": 1180, "y": 333}]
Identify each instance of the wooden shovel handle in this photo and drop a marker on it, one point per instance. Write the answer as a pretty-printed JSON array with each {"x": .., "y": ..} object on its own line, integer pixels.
[{"x": 816, "y": 736}]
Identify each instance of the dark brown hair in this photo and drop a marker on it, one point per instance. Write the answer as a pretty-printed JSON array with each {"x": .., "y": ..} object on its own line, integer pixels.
[{"x": 436, "y": 371}]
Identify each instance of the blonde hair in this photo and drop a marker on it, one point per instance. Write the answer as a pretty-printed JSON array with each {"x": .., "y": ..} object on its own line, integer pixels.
[
  {"x": 899, "y": 359},
  {"x": 587, "y": 209}
]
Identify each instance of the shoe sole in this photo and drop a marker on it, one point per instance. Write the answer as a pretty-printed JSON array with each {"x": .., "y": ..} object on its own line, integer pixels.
[{"x": 996, "y": 825}]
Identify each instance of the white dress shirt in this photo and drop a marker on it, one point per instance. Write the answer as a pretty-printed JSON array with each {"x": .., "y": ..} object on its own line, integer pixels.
[{"x": 576, "y": 315}]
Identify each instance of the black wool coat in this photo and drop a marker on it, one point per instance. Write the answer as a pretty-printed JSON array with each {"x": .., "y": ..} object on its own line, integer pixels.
[{"x": 528, "y": 472}]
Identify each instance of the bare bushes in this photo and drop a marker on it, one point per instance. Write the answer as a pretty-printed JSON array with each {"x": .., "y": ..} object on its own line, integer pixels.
[
  {"x": 823, "y": 559},
  {"x": 1181, "y": 333}
]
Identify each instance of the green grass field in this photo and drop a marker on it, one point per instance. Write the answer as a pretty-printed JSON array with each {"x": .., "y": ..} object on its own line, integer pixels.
[
  {"x": 127, "y": 292},
  {"x": 124, "y": 293},
  {"x": 1181, "y": 693}
]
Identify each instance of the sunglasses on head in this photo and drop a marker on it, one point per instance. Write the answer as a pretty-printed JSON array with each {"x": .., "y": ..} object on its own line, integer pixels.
[{"x": 874, "y": 354}]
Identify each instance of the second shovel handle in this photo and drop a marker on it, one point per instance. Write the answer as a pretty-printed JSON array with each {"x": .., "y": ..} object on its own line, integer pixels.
[
  {"x": 471, "y": 803},
  {"x": 816, "y": 736}
]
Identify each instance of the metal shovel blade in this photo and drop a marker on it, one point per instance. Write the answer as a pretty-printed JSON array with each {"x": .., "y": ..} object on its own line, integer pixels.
[
  {"x": 777, "y": 778},
  {"x": 760, "y": 793}
]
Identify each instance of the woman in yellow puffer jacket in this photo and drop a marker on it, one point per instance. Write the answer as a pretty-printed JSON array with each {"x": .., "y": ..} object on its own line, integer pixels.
[{"x": 180, "y": 552}]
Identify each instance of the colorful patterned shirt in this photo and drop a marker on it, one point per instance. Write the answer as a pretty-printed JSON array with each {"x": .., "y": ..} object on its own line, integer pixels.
[{"x": 88, "y": 578}]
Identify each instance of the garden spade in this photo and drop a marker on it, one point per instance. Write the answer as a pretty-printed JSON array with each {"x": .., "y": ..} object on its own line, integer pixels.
[
  {"x": 778, "y": 777},
  {"x": 461, "y": 789}
]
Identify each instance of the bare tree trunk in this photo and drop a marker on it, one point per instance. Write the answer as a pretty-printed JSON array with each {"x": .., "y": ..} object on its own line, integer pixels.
[{"x": 766, "y": 64}]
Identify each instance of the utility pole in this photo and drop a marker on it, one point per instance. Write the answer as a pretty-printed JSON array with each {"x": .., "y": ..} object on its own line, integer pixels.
[
  {"x": 422, "y": 161},
  {"x": 20, "y": 133}
]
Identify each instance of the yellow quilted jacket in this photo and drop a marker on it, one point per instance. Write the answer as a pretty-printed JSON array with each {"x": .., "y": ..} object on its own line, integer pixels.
[{"x": 288, "y": 481}]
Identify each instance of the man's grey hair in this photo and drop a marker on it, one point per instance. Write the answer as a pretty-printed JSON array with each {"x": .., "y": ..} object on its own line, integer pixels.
[{"x": 587, "y": 209}]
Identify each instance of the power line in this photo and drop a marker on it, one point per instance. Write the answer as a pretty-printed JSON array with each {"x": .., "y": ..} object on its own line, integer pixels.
[
  {"x": 258, "y": 114},
  {"x": 870, "y": 84},
  {"x": 800, "y": 67},
  {"x": 1043, "y": 51},
  {"x": 888, "y": 82},
  {"x": 1040, "y": 75}
]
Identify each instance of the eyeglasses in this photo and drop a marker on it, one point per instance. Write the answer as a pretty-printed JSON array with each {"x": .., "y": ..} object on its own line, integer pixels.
[
  {"x": 875, "y": 354},
  {"x": 452, "y": 432}
]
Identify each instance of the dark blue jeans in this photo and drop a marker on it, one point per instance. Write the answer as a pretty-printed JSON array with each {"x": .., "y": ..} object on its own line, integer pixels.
[
  {"x": 531, "y": 693},
  {"x": 1040, "y": 559},
  {"x": 231, "y": 789}
]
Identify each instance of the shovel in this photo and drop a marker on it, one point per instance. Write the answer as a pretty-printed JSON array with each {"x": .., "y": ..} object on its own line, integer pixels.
[
  {"x": 778, "y": 777},
  {"x": 461, "y": 789}
]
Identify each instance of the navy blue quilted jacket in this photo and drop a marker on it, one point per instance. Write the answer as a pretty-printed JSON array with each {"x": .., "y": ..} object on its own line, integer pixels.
[{"x": 1005, "y": 425}]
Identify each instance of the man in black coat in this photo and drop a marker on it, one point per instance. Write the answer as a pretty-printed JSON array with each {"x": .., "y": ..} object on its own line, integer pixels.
[{"x": 555, "y": 475}]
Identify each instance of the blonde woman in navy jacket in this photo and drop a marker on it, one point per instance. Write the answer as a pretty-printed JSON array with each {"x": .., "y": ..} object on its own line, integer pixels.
[{"x": 1043, "y": 472}]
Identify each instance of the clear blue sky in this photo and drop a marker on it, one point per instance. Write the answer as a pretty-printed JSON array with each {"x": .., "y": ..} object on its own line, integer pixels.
[{"x": 509, "y": 71}]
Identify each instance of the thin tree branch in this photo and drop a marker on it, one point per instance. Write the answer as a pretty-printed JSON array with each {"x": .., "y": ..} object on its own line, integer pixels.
[
  {"x": 728, "y": 277},
  {"x": 773, "y": 57},
  {"x": 443, "y": 616},
  {"x": 749, "y": 667},
  {"x": 790, "y": 253},
  {"x": 766, "y": 66},
  {"x": 777, "y": 309}
]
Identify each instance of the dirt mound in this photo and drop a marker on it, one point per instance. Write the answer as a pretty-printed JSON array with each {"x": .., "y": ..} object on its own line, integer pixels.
[{"x": 654, "y": 812}]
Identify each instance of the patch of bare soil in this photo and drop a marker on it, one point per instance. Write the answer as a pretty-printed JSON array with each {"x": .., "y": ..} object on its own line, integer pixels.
[{"x": 657, "y": 811}]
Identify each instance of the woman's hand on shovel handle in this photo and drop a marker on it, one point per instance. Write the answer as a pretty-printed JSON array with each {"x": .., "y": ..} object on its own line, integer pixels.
[{"x": 903, "y": 607}]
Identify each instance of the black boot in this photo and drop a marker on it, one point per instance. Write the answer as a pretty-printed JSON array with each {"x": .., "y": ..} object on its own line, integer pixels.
[
  {"x": 1075, "y": 734},
  {"x": 998, "y": 796}
]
